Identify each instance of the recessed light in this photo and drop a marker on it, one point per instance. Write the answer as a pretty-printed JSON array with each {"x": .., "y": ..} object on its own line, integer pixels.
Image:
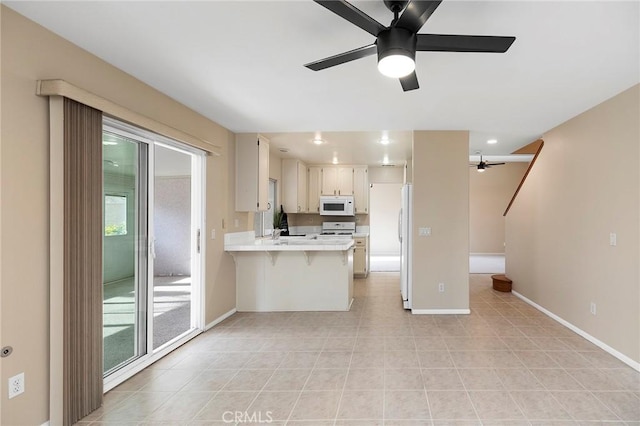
[
  {"x": 384, "y": 141},
  {"x": 492, "y": 141},
  {"x": 318, "y": 141}
]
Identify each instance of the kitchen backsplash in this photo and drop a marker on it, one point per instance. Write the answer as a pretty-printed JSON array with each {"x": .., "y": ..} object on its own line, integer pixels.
[
  {"x": 306, "y": 230},
  {"x": 305, "y": 219}
]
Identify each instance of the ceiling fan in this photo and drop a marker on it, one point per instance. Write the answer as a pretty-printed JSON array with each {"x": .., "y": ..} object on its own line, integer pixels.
[
  {"x": 397, "y": 44},
  {"x": 483, "y": 165}
]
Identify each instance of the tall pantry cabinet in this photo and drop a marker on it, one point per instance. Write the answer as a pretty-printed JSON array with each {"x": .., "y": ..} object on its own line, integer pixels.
[
  {"x": 361, "y": 189},
  {"x": 314, "y": 179},
  {"x": 252, "y": 172},
  {"x": 294, "y": 186}
]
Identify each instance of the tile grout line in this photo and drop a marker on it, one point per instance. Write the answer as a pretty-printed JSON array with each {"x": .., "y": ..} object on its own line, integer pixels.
[
  {"x": 303, "y": 387},
  {"x": 216, "y": 393},
  {"x": 463, "y": 384}
]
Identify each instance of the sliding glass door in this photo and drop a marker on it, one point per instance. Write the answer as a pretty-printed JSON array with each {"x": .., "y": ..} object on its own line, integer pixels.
[
  {"x": 174, "y": 241},
  {"x": 152, "y": 195},
  {"x": 125, "y": 277}
]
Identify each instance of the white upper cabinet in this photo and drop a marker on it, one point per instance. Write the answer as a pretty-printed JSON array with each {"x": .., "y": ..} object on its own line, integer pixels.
[
  {"x": 361, "y": 189},
  {"x": 252, "y": 173},
  {"x": 294, "y": 186},
  {"x": 314, "y": 188},
  {"x": 337, "y": 180}
]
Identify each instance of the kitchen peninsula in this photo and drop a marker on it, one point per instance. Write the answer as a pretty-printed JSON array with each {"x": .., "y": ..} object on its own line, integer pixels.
[{"x": 291, "y": 274}]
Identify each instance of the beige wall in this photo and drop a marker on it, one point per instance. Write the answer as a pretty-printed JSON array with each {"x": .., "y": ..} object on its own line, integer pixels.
[
  {"x": 584, "y": 185},
  {"x": 441, "y": 202},
  {"x": 29, "y": 53},
  {"x": 386, "y": 174},
  {"x": 489, "y": 196}
]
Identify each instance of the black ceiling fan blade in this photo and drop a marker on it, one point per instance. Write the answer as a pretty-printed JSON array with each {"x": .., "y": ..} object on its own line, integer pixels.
[
  {"x": 463, "y": 43},
  {"x": 342, "y": 58},
  {"x": 493, "y": 164},
  {"x": 354, "y": 15},
  {"x": 410, "y": 82},
  {"x": 416, "y": 14}
]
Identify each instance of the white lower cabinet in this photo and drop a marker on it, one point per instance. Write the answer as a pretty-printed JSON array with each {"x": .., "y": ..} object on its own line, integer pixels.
[{"x": 361, "y": 256}]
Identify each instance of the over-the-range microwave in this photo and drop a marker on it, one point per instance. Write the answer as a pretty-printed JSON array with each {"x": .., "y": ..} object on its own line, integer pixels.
[{"x": 336, "y": 205}]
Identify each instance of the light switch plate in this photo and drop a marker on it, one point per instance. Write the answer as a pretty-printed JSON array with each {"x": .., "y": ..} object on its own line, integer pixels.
[{"x": 424, "y": 232}]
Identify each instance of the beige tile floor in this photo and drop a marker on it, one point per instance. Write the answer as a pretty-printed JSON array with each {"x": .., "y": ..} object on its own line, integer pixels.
[{"x": 505, "y": 364}]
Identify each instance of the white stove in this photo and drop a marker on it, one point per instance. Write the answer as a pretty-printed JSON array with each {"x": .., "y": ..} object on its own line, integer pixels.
[{"x": 338, "y": 229}]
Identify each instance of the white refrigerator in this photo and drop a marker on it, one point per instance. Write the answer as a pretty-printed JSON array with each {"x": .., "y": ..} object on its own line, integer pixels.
[{"x": 404, "y": 235}]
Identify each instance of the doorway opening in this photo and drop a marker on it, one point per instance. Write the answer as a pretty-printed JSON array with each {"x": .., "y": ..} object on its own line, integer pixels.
[{"x": 385, "y": 203}]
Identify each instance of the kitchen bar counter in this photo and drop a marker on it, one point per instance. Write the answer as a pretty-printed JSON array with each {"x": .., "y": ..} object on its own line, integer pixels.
[
  {"x": 291, "y": 244},
  {"x": 291, "y": 273}
]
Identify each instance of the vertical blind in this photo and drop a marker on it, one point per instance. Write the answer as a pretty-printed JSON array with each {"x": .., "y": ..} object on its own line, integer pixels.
[{"x": 83, "y": 387}]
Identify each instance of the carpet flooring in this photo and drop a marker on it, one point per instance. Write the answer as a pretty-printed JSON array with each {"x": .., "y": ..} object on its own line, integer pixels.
[{"x": 171, "y": 318}]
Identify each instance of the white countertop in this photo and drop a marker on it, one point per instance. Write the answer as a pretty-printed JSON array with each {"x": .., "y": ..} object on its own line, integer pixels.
[{"x": 246, "y": 243}]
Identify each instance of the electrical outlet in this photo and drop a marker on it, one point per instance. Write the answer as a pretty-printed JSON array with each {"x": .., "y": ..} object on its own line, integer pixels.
[
  {"x": 613, "y": 239},
  {"x": 213, "y": 234},
  {"x": 16, "y": 385},
  {"x": 593, "y": 308},
  {"x": 441, "y": 287}
]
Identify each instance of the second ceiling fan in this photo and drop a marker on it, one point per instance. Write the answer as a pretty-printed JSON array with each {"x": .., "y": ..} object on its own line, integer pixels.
[
  {"x": 483, "y": 165},
  {"x": 397, "y": 44}
]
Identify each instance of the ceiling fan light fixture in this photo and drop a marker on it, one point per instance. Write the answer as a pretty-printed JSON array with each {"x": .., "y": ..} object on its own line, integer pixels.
[
  {"x": 396, "y": 66},
  {"x": 396, "y": 52},
  {"x": 481, "y": 168}
]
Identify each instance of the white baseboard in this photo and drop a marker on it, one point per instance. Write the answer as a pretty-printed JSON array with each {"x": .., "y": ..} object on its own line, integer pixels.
[
  {"x": 440, "y": 311},
  {"x": 219, "y": 319},
  {"x": 486, "y": 254},
  {"x": 622, "y": 357}
]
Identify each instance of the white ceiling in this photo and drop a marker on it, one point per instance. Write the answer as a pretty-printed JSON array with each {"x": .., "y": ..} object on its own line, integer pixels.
[{"x": 240, "y": 63}]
